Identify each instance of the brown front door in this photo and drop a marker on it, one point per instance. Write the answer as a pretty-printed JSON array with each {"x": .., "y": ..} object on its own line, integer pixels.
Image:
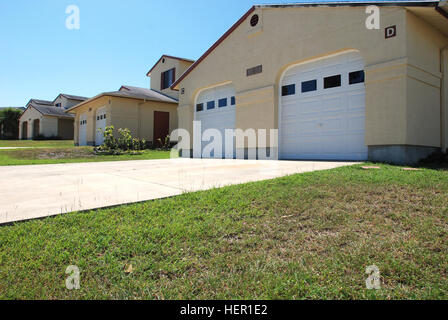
[
  {"x": 25, "y": 130},
  {"x": 161, "y": 127},
  {"x": 36, "y": 129}
]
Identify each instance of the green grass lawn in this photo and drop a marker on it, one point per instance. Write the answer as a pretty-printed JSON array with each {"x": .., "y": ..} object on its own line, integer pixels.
[
  {"x": 37, "y": 144},
  {"x": 69, "y": 155},
  {"x": 307, "y": 236}
]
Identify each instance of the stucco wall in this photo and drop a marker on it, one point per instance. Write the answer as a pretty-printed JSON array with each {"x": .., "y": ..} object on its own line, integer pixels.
[
  {"x": 49, "y": 127},
  {"x": 138, "y": 116},
  {"x": 424, "y": 78},
  {"x": 286, "y": 36},
  {"x": 28, "y": 116},
  {"x": 66, "y": 128}
]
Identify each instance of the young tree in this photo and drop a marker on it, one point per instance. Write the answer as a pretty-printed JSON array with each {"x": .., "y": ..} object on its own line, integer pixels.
[{"x": 9, "y": 123}]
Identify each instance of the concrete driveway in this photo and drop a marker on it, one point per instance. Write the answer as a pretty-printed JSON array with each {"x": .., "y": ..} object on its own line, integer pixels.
[{"x": 35, "y": 191}]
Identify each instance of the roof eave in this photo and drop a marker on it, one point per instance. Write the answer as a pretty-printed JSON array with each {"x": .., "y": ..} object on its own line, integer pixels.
[{"x": 109, "y": 94}]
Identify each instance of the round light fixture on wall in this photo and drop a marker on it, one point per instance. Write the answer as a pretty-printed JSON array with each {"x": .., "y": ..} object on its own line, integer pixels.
[{"x": 254, "y": 20}]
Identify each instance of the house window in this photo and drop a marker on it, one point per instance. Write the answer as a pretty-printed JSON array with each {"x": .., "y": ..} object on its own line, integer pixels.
[
  {"x": 356, "y": 77},
  {"x": 167, "y": 78},
  {"x": 232, "y": 101},
  {"x": 58, "y": 105},
  {"x": 332, "y": 82},
  {"x": 289, "y": 90},
  {"x": 97, "y": 117},
  {"x": 222, "y": 103},
  {"x": 104, "y": 117},
  {"x": 308, "y": 86},
  {"x": 199, "y": 107},
  {"x": 210, "y": 105}
]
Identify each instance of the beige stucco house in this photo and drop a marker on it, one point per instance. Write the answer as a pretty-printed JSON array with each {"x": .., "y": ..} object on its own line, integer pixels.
[
  {"x": 334, "y": 88},
  {"x": 48, "y": 119},
  {"x": 149, "y": 114}
]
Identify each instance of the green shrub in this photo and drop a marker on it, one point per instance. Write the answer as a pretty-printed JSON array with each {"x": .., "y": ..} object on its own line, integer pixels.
[
  {"x": 124, "y": 144},
  {"x": 165, "y": 144}
]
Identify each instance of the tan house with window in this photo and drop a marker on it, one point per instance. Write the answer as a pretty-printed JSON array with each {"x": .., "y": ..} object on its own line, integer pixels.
[
  {"x": 48, "y": 119},
  {"x": 333, "y": 88},
  {"x": 149, "y": 114}
]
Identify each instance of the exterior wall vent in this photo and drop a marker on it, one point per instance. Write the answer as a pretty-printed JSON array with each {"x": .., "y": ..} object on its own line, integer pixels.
[
  {"x": 254, "y": 20},
  {"x": 254, "y": 70}
]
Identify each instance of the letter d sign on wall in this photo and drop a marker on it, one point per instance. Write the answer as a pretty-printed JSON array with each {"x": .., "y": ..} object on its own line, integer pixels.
[{"x": 391, "y": 32}]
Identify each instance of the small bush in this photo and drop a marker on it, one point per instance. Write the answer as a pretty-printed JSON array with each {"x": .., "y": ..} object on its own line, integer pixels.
[
  {"x": 165, "y": 144},
  {"x": 125, "y": 144}
]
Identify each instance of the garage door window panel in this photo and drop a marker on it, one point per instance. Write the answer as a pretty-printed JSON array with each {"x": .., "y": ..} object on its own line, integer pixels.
[
  {"x": 222, "y": 103},
  {"x": 356, "y": 77},
  {"x": 199, "y": 107},
  {"x": 210, "y": 105},
  {"x": 309, "y": 86},
  {"x": 232, "y": 101},
  {"x": 332, "y": 82},
  {"x": 289, "y": 90}
]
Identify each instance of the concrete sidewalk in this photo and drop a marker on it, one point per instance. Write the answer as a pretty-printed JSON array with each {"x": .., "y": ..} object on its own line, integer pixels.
[
  {"x": 35, "y": 191},
  {"x": 12, "y": 148}
]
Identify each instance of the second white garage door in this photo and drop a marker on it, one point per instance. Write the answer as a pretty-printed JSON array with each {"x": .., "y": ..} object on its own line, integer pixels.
[
  {"x": 100, "y": 125},
  {"x": 322, "y": 111},
  {"x": 215, "y": 108},
  {"x": 82, "y": 132}
]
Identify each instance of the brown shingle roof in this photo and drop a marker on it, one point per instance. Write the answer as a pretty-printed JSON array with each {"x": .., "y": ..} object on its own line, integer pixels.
[{"x": 134, "y": 93}]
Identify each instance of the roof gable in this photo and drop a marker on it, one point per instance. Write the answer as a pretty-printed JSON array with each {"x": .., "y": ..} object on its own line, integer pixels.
[
  {"x": 167, "y": 57},
  {"x": 70, "y": 97},
  {"x": 404, "y": 3}
]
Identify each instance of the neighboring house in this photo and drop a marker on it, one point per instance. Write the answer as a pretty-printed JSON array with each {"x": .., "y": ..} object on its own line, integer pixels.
[
  {"x": 149, "y": 114},
  {"x": 332, "y": 87},
  {"x": 67, "y": 101},
  {"x": 48, "y": 119}
]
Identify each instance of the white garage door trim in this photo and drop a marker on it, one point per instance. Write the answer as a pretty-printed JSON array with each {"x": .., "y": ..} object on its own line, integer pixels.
[
  {"x": 100, "y": 123},
  {"x": 82, "y": 130},
  {"x": 221, "y": 116},
  {"x": 344, "y": 136}
]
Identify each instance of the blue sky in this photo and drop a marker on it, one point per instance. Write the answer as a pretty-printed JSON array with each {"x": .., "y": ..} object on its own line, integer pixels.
[{"x": 117, "y": 43}]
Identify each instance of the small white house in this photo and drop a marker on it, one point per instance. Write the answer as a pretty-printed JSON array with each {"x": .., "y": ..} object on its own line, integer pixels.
[{"x": 49, "y": 119}]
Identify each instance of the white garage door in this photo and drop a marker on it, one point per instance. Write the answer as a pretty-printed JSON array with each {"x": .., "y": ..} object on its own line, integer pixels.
[
  {"x": 323, "y": 110},
  {"x": 82, "y": 131},
  {"x": 215, "y": 108},
  {"x": 100, "y": 125}
]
